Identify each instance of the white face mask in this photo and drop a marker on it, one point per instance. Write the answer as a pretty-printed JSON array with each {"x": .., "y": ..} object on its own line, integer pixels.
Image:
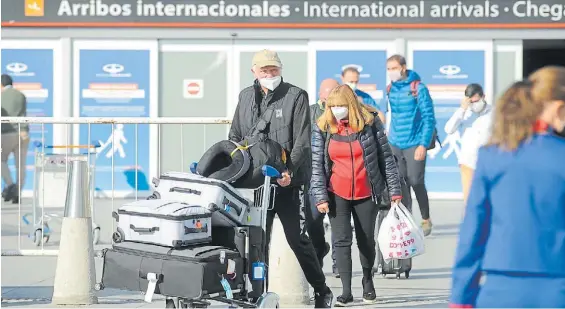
[
  {"x": 270, "y": 83},
  {"x": 340, "y": 112},
  {"x": 352, "y": 86},
  {"x": 478, "y": 106},
  {"x": 394, "y": 75}
]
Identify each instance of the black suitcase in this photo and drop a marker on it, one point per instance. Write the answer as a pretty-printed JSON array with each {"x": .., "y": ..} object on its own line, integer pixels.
[
  {"x": 395, "y": 266},
  {"x": 234, "y": 238},
  {"x": 189, "y": 272}
]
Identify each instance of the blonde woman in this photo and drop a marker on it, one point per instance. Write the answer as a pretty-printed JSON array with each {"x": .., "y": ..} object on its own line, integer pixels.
[
  {"x": 351, "y": 164},
  {"x": 513, "y": 232}
]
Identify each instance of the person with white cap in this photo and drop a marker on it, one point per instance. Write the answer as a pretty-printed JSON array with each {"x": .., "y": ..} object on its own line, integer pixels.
[{"x": 274, "y": 109}]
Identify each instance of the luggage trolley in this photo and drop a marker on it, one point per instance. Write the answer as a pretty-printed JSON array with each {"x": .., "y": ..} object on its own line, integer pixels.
[
  {"x": 50, "y": 188},
  {"x": 263, "y": 200}
]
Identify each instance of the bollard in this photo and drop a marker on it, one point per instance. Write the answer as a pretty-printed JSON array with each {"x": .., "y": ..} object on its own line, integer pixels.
[
  {"x": 286, "y": 277},
  {"x": 75, "y": 275}
]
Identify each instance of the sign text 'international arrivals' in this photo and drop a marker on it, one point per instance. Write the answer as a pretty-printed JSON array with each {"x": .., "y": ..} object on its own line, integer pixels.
[
  {"x": 316, "y": 9},
  {"x": 321, "y": 14}
]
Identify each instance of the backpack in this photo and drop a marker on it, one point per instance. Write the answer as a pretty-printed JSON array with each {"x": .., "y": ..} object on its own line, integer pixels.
[{"x": 414, "y": 90}]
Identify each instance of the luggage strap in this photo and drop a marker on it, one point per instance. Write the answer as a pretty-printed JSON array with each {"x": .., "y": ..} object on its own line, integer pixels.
[
  {"x": 239, "y": 147},
  {"x": 152, "y": 280},
  {"x": 257, "y": 131},
  {"x": 200, "y": 250}
]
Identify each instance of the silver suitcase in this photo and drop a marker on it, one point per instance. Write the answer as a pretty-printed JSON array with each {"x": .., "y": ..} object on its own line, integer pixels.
[{"x": 162, "y": 222}]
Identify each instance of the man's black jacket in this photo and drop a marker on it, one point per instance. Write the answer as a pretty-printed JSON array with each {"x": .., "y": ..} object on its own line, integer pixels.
[
  {"x": 290, "y": 124},
  {"x": 379, "y": 162}
]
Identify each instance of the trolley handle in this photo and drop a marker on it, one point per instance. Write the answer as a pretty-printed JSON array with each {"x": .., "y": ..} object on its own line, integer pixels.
[
  {"x": 271, "y": 172},
  {"x": 38, "y": 144}
]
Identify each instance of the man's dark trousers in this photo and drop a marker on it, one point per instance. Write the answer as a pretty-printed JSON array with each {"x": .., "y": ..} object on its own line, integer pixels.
[
  {"x": 289, "y": 207},
  {"x": 316, "y": 231}
]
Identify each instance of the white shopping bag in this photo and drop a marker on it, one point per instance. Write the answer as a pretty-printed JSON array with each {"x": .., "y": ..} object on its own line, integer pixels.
[{"x": 399, "y": 236}]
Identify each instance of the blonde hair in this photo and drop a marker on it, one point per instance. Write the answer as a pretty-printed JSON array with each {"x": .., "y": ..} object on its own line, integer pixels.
[
  {"x": 517, "y": 111},
  {"x": 548, "y": 84},
  {"x": 359, "y": 113},
  {"x": 514, "y": 116}
]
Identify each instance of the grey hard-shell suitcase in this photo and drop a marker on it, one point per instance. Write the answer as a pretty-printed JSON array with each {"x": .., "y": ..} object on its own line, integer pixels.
[{"x": 189, "y": 272}]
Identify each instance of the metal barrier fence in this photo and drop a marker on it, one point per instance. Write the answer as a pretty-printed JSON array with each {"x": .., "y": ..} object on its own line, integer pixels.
[{"x": 31, "y": 228}]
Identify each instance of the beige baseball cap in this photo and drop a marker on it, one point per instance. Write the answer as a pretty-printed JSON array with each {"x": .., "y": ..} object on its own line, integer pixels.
[{"x": 266, "y": 58}]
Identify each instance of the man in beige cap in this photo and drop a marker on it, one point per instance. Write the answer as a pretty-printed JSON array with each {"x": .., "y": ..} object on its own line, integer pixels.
[{"x": 274, "y": 109}]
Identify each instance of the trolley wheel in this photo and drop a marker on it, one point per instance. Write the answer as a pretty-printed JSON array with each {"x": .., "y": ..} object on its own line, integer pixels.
[
  {"x": 117, "y": 237},
  {"x": 99, "y": 287},
  {"x": 96, "y": 235},
  {"x": 46, "y": 229},
  {"x": 384, "y": 275},
  {"x": 169, "y": 303},
  {"x": 406, "y": 274},
  {"x": 37, "y": 237}
]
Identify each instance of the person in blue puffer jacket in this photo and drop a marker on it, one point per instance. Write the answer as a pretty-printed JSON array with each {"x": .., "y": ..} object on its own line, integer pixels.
[
  {"x": 511, "y": 250},
  {"x": 411, "y": 130}
]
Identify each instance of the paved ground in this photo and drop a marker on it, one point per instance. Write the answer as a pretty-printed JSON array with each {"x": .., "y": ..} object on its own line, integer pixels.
[{"x": 28, "y": 281}]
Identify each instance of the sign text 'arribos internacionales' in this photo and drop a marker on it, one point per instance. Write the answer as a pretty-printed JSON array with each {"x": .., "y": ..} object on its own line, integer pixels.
[{"x": 288, "y": 14}]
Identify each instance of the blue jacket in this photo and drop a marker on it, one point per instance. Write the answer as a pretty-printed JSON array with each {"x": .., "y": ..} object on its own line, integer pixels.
[
  {"x": 412, "y": 120},
  {"x": 367, "y": 99},
  {"x": 515, "y": 216}
]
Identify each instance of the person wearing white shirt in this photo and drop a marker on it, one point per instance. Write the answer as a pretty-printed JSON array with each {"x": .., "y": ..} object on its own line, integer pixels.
[{"x": 473, "y": 121}]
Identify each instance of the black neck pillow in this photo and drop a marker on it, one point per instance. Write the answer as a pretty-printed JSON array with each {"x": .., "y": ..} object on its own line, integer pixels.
[{"x": 225, "y": 160}]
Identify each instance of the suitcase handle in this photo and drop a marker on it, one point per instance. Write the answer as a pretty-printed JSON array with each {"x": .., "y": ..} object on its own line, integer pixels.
[
  {"x": 116, "y": 216},
  {"x": 185, "y": 190},
  {"x": 229, "y": 203},
  {"x": 144, "y": 229}
]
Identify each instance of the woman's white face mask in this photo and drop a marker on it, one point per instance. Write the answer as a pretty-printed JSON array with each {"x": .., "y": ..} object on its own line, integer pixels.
[
  {"x": 478, "y": 106},
  {"x": 340, "y": 112}
]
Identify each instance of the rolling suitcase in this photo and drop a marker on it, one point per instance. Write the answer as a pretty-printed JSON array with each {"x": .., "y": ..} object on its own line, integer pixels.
[
  {"x": 229, "y": 207},
  {"x": 234, "y": 238},
  {"x": 190, "y": 272},
  {"x": 395, "y": 266},
  {"x": 161, "y": 222}
]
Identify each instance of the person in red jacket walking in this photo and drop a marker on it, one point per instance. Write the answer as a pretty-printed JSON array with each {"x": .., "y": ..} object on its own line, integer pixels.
[{"x": 352, "y": 163}]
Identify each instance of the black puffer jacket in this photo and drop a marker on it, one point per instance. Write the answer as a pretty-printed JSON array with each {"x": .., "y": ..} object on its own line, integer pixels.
[{"x": 379, "y": 162}]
